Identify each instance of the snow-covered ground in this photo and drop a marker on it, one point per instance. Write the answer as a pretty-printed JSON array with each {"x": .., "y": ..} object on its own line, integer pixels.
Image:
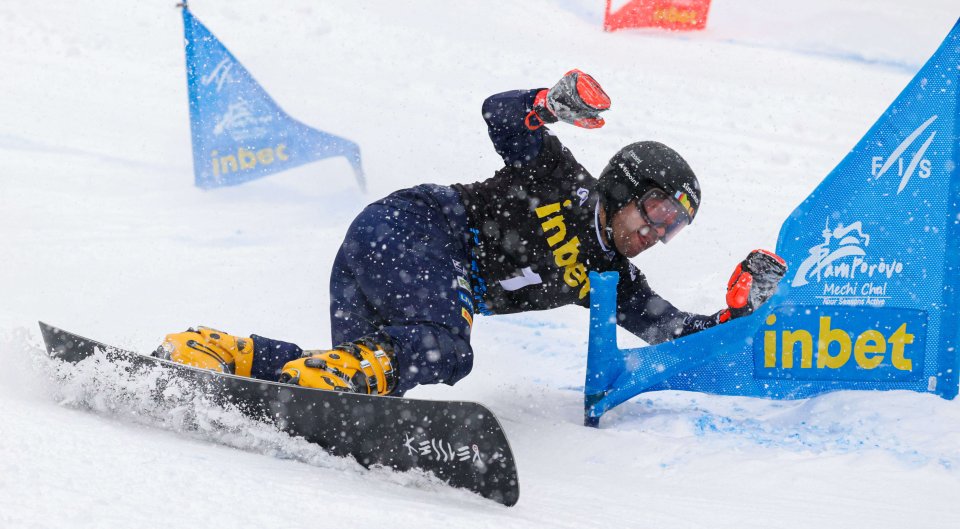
[{"x": 103, "y": 233}]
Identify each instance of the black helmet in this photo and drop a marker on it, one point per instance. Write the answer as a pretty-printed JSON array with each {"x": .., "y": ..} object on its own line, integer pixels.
[{"x": 640, "y": 166}]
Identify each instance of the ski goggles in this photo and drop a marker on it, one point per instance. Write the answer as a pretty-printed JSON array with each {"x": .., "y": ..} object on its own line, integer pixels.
[{"x": 663, "y": 211}]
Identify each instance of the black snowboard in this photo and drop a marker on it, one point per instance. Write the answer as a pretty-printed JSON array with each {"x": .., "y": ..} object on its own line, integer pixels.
[{"x": 462, "y": 443}]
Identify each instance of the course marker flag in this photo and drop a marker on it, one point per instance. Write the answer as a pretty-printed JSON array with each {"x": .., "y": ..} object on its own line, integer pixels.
[
  {"x": 676, "y": 15},
  {"x": 239, "y": 133},
  {"x": 872, "y": 297}
]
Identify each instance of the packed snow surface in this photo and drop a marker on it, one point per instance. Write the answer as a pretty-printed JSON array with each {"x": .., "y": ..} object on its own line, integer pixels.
[{"x": 104, "y": 234}]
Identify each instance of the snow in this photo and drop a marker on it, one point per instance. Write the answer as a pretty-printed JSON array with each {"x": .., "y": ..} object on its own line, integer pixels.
[{"x": 104, "y": 234}]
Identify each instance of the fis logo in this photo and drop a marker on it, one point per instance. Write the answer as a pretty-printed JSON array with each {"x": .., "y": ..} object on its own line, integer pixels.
[
  {"x": 826, "y": 343},
  {"x": 220, "y": 74},
  {"x": 879, "y": 167}
]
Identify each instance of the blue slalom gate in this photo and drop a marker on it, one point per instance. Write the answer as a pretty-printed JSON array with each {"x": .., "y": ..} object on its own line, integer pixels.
[
  {"x": 239, "y": 133},
  {"x": 872, "y": 297}
]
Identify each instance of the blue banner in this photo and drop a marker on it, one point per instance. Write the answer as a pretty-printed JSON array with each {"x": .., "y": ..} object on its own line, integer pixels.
[
  {"x": 872, "y": 297},
  {"x": 239, "y": 133}
]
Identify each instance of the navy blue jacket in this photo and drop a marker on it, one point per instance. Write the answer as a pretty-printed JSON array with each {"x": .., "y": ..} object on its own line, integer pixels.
[{"x": 537, "y": 223}]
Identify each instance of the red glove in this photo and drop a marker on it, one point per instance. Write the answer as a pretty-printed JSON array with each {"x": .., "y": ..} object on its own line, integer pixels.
[
  {"x": 576, "y": 99},
  {"x": 753, "y": 282}
]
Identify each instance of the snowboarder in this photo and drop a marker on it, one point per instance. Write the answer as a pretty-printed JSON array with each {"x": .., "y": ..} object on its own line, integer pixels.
[{"x": 416, "y": 266}]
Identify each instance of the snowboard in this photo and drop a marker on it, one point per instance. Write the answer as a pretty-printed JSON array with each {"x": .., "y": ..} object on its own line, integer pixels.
[{"x": 462, "y": 443}]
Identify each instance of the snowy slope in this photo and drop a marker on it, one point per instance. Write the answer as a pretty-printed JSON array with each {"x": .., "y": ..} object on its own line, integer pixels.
[{"x": 104, "y": 234}]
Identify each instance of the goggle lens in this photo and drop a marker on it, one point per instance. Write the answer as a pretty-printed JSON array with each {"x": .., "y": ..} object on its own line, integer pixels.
[{"x": 663, "y": 211}]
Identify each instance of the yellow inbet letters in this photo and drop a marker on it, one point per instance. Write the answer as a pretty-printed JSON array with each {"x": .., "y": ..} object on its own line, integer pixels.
[
  {"x": 246, "y": 160},
  {"x": 868, "y": 349}
]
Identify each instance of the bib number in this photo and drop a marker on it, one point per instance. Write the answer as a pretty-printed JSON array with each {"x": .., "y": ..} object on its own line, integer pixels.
[{"x": 527, "y": 277}]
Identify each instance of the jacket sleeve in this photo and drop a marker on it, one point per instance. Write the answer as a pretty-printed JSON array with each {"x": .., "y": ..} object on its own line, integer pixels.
[
  {"x": 505, "y": 114},
  {"x": 644, "y": 313}
]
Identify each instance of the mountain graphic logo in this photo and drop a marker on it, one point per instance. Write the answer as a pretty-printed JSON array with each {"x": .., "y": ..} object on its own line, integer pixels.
[{"x": 839, "y": 243}]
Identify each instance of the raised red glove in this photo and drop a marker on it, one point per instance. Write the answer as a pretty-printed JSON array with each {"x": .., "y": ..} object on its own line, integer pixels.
[
  {"x": 753, "y": 282},
  {"x": 577, "y": 99}
]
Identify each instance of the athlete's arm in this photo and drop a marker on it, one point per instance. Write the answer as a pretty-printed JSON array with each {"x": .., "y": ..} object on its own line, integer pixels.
[
  {"x": 641, "y": 311},
  {"x": 505, "y": 115},
  {"x": 516, "y": 119}
]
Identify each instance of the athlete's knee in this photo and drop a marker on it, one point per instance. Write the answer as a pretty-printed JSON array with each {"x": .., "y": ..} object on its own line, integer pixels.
[{"x": 430, "y": 354}]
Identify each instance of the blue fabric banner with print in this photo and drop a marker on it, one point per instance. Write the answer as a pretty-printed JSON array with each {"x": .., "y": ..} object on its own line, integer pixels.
[
  {"x": 872, "y": 297},
  {"x": 239, "y": 133}
]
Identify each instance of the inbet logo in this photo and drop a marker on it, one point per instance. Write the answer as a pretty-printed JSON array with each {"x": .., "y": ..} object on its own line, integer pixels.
[
  {"x": 836, "y": 343},
  {"x": 248, "y": 160},
  {"x": 879, "y": 167},
  {"x": 567, "y": 255}
]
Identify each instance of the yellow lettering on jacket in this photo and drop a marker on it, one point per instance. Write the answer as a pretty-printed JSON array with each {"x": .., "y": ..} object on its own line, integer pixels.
[{"x": 567, "y": 254}]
